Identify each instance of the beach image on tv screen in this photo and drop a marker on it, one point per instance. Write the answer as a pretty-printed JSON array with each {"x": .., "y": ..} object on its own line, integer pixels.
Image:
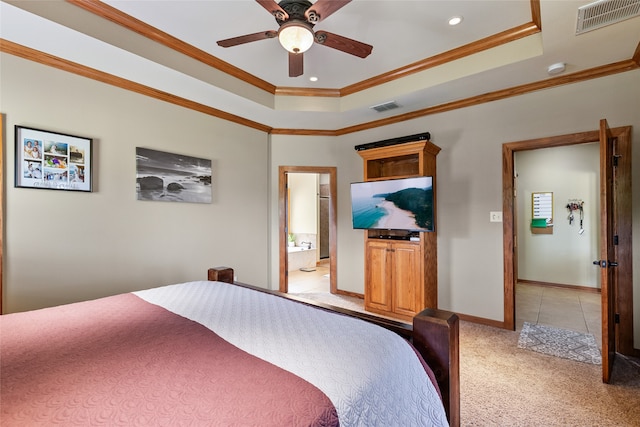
[{"x": 401, "y": 204}]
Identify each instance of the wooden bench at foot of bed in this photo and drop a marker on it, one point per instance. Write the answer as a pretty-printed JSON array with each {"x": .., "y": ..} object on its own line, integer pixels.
[{"x": 434, "y": 334}]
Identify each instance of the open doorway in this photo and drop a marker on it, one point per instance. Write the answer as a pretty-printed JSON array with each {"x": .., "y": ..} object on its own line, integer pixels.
[
  {"x": 324, "y": 248},
  {"x": 617, "y": 300},
  {"x": 557, "y": 227}
]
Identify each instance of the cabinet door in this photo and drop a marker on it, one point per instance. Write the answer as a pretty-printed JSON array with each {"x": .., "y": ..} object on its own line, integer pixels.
[
  {"x": 377, "y": 293},
  {"x": 407, "y": 278}
]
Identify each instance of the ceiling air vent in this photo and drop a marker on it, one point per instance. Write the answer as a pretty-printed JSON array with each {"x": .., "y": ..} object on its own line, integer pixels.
[
  {"x": 385, "y": 107},
  {"x": 605, "y": 12}
]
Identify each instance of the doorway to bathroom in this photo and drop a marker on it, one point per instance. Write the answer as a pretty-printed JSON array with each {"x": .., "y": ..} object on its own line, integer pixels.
[{"x": 307, "y": 227}]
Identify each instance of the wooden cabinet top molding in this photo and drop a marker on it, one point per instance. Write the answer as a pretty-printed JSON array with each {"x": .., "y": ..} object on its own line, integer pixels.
[{"x": 400, "y": 150}]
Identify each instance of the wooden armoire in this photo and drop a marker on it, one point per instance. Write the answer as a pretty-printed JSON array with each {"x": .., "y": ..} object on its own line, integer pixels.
[{"x": 401, "y": 277}]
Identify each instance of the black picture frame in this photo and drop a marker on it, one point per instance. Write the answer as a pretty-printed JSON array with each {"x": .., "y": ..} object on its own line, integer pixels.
[
  {"x": 53, "y": 161},
  {"x": 168, "y": 177}
]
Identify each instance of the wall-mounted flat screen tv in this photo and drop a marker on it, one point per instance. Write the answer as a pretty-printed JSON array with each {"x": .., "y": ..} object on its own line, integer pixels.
[{"x": 395, "y": 204}]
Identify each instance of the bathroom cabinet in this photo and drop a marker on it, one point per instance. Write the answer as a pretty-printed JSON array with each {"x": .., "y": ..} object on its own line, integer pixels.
[{"x": 401, "y": 277}]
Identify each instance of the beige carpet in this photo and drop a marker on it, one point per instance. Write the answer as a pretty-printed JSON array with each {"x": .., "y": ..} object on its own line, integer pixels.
[{"x": 503, "y": 385}]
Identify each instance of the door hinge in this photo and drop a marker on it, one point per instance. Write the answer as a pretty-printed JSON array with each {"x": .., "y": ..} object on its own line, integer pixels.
[
  {"x": 615, "y": 159},
  {"x": 616, "y": 318},
  {"x": 615, "y": 239}
]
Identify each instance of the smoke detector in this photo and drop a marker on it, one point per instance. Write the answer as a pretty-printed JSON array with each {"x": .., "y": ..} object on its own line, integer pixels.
[{"x": 557, "y": 68}]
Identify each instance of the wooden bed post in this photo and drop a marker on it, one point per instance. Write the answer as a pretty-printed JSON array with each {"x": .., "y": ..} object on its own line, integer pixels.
[
  {"x": 435, "y": 336},
  {"x": 220, "y": 274}
]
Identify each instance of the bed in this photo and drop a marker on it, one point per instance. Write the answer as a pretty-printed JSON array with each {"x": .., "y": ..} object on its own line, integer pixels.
[{"x": 216, "y": 352}]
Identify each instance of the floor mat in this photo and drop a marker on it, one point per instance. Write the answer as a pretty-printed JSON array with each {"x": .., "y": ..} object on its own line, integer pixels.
[{"x": 560, "y": 343}]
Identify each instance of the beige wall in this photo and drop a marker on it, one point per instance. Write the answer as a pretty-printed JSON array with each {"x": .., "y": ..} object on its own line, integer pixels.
[
  {"x": 116, "y": 243},
  {"x": 566, "y": 256},
  {"x": 323, "y": 151},
  {"x": 303, "y": 203},
  {"x": 469, "y": 181},
  {"x": 64, "y": 246}
]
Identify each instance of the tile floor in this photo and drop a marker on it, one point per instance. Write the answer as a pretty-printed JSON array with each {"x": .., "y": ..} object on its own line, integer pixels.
[
  {"x": 560, "y": 307},
  {"x": 310, "y": 281},
  {"x": 576, "y": 310}
]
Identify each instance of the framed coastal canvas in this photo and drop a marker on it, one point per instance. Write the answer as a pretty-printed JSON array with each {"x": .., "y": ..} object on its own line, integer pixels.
[
  {"x": 52, "y": 161},
  {"x": 169, "y": 177}
]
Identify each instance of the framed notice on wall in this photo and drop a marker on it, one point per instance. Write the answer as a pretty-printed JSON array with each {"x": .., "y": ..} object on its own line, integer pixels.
[
  {"x": 542, "y": 213},
  {"x": 52, "y": 161}
]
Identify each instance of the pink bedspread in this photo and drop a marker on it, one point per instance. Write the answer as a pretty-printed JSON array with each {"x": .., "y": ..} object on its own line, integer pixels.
[{"x": 123, "y": 361}]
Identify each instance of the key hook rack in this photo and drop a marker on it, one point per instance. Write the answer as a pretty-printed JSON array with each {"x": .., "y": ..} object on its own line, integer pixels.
[{"x": 576, "y": 205}]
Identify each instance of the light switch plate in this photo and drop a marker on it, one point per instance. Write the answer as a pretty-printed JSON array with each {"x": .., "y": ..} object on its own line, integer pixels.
[{"x": 495, "y": 216}]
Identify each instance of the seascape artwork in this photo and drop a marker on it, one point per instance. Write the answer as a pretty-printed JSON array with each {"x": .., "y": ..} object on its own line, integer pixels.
[
  {"x": 168, "y": 177},
  {"x": 402, "y": 204}
]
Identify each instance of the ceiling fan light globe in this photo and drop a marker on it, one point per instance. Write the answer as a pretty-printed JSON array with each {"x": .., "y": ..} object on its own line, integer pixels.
[{"x": 295, "y": 37}]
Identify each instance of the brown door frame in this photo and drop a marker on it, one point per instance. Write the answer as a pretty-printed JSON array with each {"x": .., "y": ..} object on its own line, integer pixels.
[
  {"x": 333, "y": 218},
  {"x": 2, "y": 149},
  {"x": 624, "y": 301}
]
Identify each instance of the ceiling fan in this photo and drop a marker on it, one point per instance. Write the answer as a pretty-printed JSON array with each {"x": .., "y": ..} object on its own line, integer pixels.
[{"x": 296, "y": 19}]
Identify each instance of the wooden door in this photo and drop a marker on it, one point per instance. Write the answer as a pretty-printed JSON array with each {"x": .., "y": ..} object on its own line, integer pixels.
[
  {"x": 407, "y": 283},
  {"x": 607, "y": 260},
  {"x": 618, "y": 213},
  {"x": 377, "y": 294}
]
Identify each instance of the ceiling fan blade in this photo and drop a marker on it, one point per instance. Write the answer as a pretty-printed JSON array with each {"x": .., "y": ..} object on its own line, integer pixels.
[
  {"x": 345, "y": 44},
  {"x": 322, "y": 9},
  {"x": 234, "y": 41},
  {"x": 274, "y": 9},
  {"x": 296, "y": 64}
]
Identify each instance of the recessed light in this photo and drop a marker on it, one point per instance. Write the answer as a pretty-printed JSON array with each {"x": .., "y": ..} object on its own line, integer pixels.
[
  {"x": 455, "y": 20},
  {"x": 556, "y": 68},
  {"x": 313, "y": 79}
]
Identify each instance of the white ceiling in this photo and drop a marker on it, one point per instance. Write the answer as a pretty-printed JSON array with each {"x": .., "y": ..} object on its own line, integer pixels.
[{"x": 401, "y": 32}]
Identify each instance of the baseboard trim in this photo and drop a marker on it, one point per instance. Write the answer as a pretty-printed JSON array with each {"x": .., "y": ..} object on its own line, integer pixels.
[
  {"x": 560, "y": 285},
  {"x": 349, "y": 294},
  {"x": 482, "y": 321}
]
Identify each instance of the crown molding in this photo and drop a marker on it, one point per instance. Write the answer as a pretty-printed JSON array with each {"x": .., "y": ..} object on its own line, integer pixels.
[
  {"x": 24, "y": 52},
  {"x": 580, "y": 76},
  {"x": 75, "y": 68},
  {"x": 495, "y": 40},
  {"x": 114, "y": 15},
  {"x": 118, "y": 17},
  {"x": 310, "y": 92}
]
